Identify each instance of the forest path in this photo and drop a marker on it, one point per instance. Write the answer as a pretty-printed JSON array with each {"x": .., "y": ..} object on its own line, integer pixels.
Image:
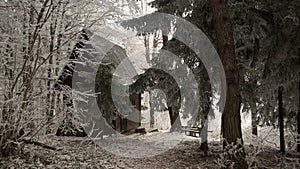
[{"x": 83, "y": 153}]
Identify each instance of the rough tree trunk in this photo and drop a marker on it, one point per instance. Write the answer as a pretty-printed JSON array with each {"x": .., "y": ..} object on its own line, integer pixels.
[
  {"x": 254, "y": 122},
  {"x": 231, "y": 119},
  {"x": 298, "y": 118},
  {"x": 151, "y": 97},
  {"x": 206, "y": 103},
  {"x": 254, "y": 119},
  {"x": 204, "y": 144},
  {"x": 281, "y": 120}
]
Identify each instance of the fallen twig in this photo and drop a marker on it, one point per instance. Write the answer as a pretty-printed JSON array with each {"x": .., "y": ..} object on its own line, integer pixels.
[{"x": 40, "y": 144}]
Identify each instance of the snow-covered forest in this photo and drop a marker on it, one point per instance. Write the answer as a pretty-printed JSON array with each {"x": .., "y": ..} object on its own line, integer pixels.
[{"x": 149, "y": 84}]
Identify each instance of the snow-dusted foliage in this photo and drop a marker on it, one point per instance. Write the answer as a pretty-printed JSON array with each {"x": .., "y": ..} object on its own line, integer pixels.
[{"x": 36, "y": 40}]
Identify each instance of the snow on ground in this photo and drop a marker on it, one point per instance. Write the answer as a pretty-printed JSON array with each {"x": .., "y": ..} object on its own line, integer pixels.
[
  {"x": 152, "y": 150},
  {"x": 84, "y": 153},
  {"x": 140, "y": 146}
]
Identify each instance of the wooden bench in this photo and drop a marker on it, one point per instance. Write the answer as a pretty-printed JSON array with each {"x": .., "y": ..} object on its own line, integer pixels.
[{"x": 192, "y": 131}]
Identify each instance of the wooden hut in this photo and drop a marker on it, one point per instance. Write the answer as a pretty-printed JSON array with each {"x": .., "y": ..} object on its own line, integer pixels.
[{"x": 115, "y": 55}]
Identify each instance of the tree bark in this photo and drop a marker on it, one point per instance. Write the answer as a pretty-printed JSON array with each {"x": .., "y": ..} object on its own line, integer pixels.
[
  {"x": 298, "y": 118},
  {"x": 231, "y": 119},
  {"x": 204, "y": 144},
  {"x": 51, "y": 95},
  {"x": 281, "y": 120},
  {"x": 254, "y": 119},
  {"x": 151, "y": 97},
  {"x": 206, "y": 103},
  {"x": 254, "y": 122}
]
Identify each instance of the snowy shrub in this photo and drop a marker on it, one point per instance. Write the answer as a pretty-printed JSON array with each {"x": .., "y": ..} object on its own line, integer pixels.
[
  {"x": 35, "y": 42},
  {"x": 227, "y": 158}
]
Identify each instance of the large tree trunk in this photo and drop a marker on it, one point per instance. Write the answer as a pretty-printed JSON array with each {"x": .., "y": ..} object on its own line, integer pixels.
[
  {"x": 204, "y": 121},
  {"x": 204, "y": 142},
  {"x": 231, "y": 119},
  {"x": 254, "y": 119},
  {"x": 298, "y": 117},
  {"x": 281, "y": 120},
  {"x": 254, "y": 122},
  {"x": 205, "y": 101},
  {"x": 151, "y": 97}
]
